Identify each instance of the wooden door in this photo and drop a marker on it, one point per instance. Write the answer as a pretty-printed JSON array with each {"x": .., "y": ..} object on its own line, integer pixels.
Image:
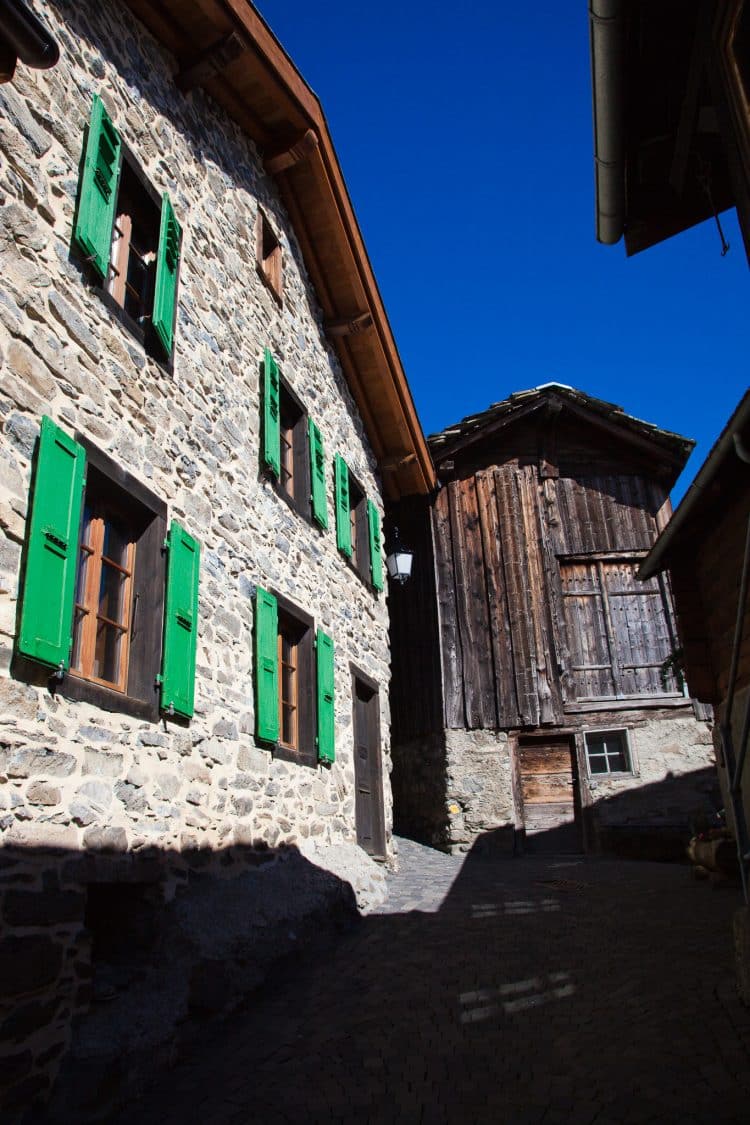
[
  {"x": 548, "y": 790},
  {"x": 367, "y": 772}
]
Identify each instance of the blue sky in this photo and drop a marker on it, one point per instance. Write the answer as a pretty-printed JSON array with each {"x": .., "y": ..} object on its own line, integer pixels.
[{"x": 465, "y": 138}]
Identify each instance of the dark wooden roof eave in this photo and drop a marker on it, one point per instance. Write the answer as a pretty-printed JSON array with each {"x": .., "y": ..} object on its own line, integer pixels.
[
  {"x": 698, "y": 503},
  {"x": 669, "y": 451},
  {"x": 258, "y": 85}
]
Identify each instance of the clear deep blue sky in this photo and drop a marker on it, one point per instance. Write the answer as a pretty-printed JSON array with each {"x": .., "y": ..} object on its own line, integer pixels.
[{"x": 465, "y": 137}]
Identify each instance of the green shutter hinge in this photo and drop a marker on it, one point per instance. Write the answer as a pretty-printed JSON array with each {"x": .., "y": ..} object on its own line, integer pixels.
[
  {"x": 158, "y": 680},
  {"x": 165, "y": 545}
]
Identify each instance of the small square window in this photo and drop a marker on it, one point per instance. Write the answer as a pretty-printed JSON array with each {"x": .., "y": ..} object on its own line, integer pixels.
[
  {"x": 608, "y": 752},
  {"x": 268, "y": 255}
]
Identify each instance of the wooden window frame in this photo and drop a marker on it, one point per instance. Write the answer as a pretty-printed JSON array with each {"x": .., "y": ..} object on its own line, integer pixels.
[
  {"x": 268, "y": 256},
  {"x": 622, "y": 734},
  {"x": 360, "y": 556},
  {"x": 292, "y": 409},
  {"x": 91, "y": 556},
  {"x": 140, "y": 698},
  {"x": 110, "y": 291},
  {"x": 598, "y": 560},
  {"x": 299, "y": 628}
]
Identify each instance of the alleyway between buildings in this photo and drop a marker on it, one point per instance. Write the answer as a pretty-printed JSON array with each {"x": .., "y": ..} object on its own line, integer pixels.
[{"x": 559, "y": 989}]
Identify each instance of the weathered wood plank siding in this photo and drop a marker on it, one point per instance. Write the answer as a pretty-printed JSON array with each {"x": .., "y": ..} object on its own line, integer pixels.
[{"x": 523, "y": 631}]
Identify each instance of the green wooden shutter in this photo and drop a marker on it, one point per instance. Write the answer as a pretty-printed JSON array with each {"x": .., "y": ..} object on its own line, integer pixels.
[
  {"x": 167, "y": 265},
  {"x": 180, "y": 622},
  {"x": 266, "y": 666},
  {"x": 326, "y": 722},
  {"x": 45, "y": 632},
  {"x": 318, "y": 475},
  {"x": 271, "y": 420},
  {"x": 343, "y": 520},
  {"x": 97, "y": 190},
  {"x": 376, "y": 561}
]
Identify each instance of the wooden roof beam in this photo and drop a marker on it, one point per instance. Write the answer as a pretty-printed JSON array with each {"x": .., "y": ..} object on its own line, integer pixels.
[
  {"x": 349, "y": 325},
  {"x": 211, "y": 62},
  {"x": 301, "y": 150}
]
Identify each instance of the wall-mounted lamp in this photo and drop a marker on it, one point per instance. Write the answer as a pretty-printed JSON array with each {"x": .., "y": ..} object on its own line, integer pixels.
[{"x": 399, "y": 560}]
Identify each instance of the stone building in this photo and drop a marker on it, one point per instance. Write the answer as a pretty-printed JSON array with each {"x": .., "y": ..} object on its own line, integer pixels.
[
  {"x": 201, "y": 412},
  {"x": 535, "y": 703}
]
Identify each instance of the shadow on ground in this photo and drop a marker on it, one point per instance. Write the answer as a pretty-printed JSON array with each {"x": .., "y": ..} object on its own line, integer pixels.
[{"x": 537, "y": 989}]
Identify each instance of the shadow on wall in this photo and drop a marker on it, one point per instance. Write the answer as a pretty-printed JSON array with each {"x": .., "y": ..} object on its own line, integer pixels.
[
  {"x": 651, "y": 821},
  {"x": 111, "y": 962}
]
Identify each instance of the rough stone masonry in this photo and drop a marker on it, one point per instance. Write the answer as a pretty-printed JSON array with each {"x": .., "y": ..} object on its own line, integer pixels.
[{"x": 90, "y": 798}]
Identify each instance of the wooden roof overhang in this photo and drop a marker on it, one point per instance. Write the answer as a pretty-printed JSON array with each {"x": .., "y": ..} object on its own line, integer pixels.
[
  {"x": 717, "y": 480},
  {"x": 660, "y": 157},
  {"x": 664, "y": 452},
  {"x": 225, "y": 47}
]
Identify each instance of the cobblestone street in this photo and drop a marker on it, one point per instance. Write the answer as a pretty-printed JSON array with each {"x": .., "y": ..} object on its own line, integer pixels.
[{"x": 556, "y": 989}]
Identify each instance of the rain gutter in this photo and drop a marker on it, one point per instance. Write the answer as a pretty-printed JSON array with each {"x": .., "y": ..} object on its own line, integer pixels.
[
  {"x": 27, "y": 36},
  {"x": 607, "y": 30}
]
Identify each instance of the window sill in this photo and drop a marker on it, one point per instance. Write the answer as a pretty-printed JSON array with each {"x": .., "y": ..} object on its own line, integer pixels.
[
  {"x": 83, "y": 691},
  {"x": 364, "y": 576},
  {"x": 302, "y": 510},
  {"x": 296, "y": 757},
  {"x": 626, "y": 703}
]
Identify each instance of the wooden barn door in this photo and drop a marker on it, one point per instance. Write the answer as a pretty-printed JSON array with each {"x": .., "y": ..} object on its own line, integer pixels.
[
  {"x": 548, "y": 791},
  {"x": 367, "y": 772}
]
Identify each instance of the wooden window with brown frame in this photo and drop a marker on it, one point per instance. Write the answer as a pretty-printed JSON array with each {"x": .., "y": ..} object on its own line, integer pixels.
[
  {"x": 268, "y": 255},
  {"x": 294, "y": 453},
  {"x": 134, "y": 244},
  {"x": 288, "y": 686},
  {"x": 296, "y": 685},
  {"x": 360, "y": 557},
  {"x": 102, "y": 616}
]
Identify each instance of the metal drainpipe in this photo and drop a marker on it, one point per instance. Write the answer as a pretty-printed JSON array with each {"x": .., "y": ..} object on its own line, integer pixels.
[
  {"x": 606, "y": 23},
  {"x": 735, "y": 766},
  {"x": 27, "y": 36}
]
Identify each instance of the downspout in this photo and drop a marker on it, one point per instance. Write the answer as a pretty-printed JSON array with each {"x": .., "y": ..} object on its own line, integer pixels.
[
  {"x": 607, "y": 27},
  {"x": 27, "y": 36}
]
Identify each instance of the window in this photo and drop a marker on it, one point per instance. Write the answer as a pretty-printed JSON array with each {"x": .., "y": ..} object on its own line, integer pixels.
[
  {"x": 102, "y": 613},
  {"x": 607, "y": 752},
  {"x": 358, "y": 534},
  {"x": 619, "y": 630},
  {"x": 292, "y": 446},
  {"x": 109, "y": 601},
  {"x": 129, "y": 237},
  {"x": 268, "y": 255},
  {"x": 294, "y": 682}
]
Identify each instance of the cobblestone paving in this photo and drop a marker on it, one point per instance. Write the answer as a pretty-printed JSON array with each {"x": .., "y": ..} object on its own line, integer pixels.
[{"x": 505, "y": 991}]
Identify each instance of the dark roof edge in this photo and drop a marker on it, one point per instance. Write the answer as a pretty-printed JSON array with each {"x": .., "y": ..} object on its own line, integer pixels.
[
  {"x": 471, "y": 428},
  {"x": 656, "y": 559}
]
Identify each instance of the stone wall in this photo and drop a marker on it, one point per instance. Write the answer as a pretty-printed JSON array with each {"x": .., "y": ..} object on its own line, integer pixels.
[
  {"x": 75, "y": 779},
  {"x": 462, "y": 797}
]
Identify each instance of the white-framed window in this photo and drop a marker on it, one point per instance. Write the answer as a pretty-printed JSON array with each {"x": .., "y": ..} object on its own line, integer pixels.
[{"x": 608, "y": 752}]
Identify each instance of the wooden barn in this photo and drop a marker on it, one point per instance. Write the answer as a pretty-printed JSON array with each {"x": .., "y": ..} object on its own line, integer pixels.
[{"x": 535, "y": 697}]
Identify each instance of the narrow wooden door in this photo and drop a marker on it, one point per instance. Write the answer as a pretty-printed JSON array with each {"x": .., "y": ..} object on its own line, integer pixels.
[
  {"x": 548, "y": 795},
  {"x": 367, "y": 772}
]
